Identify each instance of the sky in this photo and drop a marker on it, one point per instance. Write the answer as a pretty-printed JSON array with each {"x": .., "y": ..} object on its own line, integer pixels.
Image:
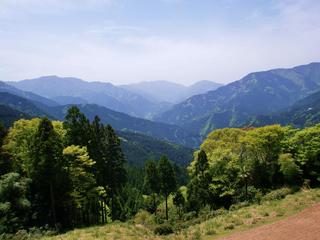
[{"x": 183, "y": 41}]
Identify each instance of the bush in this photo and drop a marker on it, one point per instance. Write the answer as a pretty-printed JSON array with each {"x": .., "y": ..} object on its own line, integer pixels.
[
  {"x": 163, "y": 229},
  {"x": 143, "y": 217},
  {"x": 190, "y": 215},
  {"x": 277, "y": 194}
]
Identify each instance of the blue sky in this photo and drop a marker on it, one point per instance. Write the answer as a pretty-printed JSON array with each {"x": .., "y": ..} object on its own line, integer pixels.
[{"x": 124, "y": 41}]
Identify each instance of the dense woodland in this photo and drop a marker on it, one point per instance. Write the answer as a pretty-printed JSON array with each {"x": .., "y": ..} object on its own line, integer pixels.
[{"x": 63, "y": 175}]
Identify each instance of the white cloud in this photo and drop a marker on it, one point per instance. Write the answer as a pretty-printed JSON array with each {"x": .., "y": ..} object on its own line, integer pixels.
[{"x": 121, "y": 53}]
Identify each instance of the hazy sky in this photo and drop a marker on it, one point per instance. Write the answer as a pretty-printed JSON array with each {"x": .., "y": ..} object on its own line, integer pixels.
[{"x": 123, "y": 41}]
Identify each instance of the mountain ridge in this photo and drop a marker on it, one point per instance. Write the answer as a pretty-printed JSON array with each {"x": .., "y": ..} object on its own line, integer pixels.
[{"x": 255, "y": 94}]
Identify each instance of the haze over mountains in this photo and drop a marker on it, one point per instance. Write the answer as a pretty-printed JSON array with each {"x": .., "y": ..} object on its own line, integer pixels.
[
  {"x": 285, "y": 96},
  {"x": 154, "y": 99},
  {"x": 164, "y": 91}
]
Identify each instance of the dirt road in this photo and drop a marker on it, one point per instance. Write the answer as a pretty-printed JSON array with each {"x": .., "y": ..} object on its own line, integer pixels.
[{"x": 302, "y": 226}]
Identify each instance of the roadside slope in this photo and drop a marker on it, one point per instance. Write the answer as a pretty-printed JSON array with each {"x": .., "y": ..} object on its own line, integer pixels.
[{"x": 302, "y": 226}]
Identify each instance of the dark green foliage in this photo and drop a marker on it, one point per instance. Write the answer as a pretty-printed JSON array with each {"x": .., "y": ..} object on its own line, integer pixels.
[
  {"x": 179, "y": 202},
  {"x": 5, "y": 163},
  {"x": 104, "y": 148},
  {"x": 198, "y": 193},
  {"x": 167, "y": 179},
  {"x": 77, "y": 126},
  {"x": 164, "y": 229},
  {"x": 48, "y": 175},
  {"x": 14, "y": 205},
  {"x": 21, "y": 104},
  {"x": 8, "y": 115},
  {"x": 138, "y": 148},
  {"x": 121, "y": 121},
  {"x": 201, "y": 164},
  {"x": 152, "y": 182}
]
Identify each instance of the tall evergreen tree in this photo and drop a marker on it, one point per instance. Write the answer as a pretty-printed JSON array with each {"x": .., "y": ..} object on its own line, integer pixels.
[
  {"x": 116, "y": 172},
  {"x": 167, "y": 179},
  {"x": 77, "y": 126},
  {"x": 105, "y": 149},
  {"x": 48, "y": 176},
  {"x": 152, "y": 181}
]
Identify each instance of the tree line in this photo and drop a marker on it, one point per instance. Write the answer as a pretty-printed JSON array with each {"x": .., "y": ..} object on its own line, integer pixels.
[
  {"x": 235, "y": 165},
  {"x": 73, "y": 173},
  {"x": 61, "y": 174}
]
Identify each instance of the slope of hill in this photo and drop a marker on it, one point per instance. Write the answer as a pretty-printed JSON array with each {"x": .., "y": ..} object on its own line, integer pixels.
[
  {"x": 303, "y": 113},
  {"x": 296, "y": 215},
  {"x": 121, "y": 121},
  {"x": 8, "y": 115},
  {"x": 255, "y": 94},
  {"x": 38, "y": 100},
  {"x": 68, "y": 89},
  {"x": 139, "y": 148},
  {"x": 21, "y": 104},
  {"x": 165, "y": 91}
]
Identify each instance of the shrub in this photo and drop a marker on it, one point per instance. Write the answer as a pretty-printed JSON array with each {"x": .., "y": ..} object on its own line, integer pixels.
[
  {"x": 163, "y": 229},
  {"x": 143, "y": 217},
  {"x": 277, "y": 194}
]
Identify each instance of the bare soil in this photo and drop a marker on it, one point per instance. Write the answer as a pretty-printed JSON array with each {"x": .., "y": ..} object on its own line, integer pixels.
[{"x": 302, "y": 226}]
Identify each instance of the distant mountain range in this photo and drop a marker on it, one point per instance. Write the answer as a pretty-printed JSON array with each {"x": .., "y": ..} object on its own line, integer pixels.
[
  {"x": 141, "y": 139},
  {"x": 232, "y": 105},
  {"x": 285, "y": 96},
  {"x": 164, "y": 91},
  {"x": 124, "y": 99}
]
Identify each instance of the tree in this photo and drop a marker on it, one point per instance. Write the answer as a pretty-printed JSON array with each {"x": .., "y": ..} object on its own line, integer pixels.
[
  {"x": 83, "y": 192},
  {"x": 179, "y": 201},
  {"x": 14, "y": 205},
  {"x": 198, "y": 193},
  {"x": 77, "y": 126},
  {"x": 152, "y": 181},
  {"x": 5, "y": 163},
  {"x": 201, "y": 164},
  {"x": 167, "y": 179},
  {"x": 48, "y": 175},
  {"x": 115, "y": 169},
  {"x": 290, "y": 170},
  {"x": 105, "y": 149}
]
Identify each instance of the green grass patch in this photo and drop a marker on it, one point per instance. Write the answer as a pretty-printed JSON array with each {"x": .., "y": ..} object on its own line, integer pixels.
[{"x": 272, "y": 208}]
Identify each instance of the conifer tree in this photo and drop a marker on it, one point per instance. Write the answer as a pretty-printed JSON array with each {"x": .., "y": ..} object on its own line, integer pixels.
[
  {"x": 152, "y": 181},
  {"x": 167, "y": 179},
  {"x": 47, "y": 173},
  {"x": 77, "y": 126}
]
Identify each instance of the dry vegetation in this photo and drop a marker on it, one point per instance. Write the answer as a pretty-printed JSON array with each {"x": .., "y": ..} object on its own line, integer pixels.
[{"x": 219, "y": 223}]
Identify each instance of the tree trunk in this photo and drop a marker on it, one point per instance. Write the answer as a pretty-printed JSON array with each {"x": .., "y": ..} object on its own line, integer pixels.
[{"x": 167, "y": 207}]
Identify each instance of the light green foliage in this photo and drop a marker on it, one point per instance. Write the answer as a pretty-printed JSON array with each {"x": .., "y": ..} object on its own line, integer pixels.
[
  {"x": 290, "y": 170},
  {"x": 19, "y": 140},
  {"x": 78, "y": 166},
  {"x": 243, "y": 162},
  {"x": 305, "y": 148}
]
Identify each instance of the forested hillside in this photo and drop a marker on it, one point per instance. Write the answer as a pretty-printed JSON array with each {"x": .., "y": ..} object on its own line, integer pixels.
[
  {"x": 74, "y": 173},
  {"x": 303, "y": 113},
  {"x": 255, "y": 94},
  {"x": 121, "y": 121}
]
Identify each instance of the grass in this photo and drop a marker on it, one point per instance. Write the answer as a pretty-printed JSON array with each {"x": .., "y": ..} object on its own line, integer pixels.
[{"x": 226, "y": 222}]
